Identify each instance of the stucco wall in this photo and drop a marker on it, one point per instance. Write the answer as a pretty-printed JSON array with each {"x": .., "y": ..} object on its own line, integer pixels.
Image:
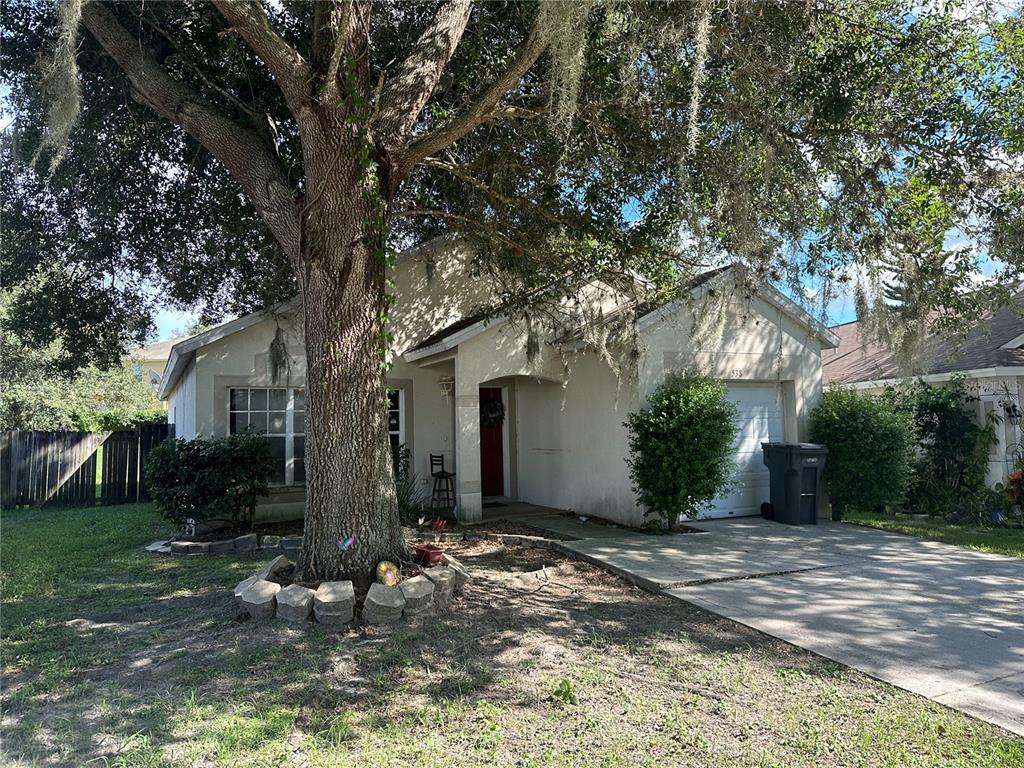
[
  {"x": 492, "y": 357},
  {"x": 181, "y": 406},
  {"x": 746, "y": 339},
  {"x": 572, "y": 444},
  {"x": 434, "y": 287}
]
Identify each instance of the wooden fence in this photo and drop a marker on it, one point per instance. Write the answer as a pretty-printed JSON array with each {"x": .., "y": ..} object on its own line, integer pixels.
[{"x": 76, "y": 468}]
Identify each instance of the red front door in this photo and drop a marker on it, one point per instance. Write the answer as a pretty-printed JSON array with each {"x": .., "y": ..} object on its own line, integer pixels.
[{"x": 492, "y": 445}]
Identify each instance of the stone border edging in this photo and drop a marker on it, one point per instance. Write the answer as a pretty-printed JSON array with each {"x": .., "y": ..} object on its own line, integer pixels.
[
  {"x": 249, "y": 542},
  {"x": 333, "y": 603},
  {"x": 290, "y": 545},
  {"x": 332, "y": 608}
]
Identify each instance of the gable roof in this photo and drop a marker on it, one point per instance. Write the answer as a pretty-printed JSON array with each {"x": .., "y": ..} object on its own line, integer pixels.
[
  {"x": 646, "y": 313},
  {"x": 183, "y": 351},
  {"x": 158, "y": 350},
  {"x": 764, "y": 289},
  {"x": 995, "y": 341},
  {"x": 449, "y": 330}
]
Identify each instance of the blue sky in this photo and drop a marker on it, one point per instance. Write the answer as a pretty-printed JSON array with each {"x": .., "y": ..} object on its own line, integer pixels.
[{"x": 171, "y": 323}]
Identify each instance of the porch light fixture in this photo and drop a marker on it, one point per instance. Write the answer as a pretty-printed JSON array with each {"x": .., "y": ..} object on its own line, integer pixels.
[{"x": 447, "y": 385}]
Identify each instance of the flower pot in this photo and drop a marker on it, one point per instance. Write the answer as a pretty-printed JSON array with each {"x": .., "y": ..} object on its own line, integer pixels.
[{"x": 429, "y": 554}]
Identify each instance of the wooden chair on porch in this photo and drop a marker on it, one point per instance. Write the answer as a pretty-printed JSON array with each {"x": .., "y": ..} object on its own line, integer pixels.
[{"x": 443, "y": 496}]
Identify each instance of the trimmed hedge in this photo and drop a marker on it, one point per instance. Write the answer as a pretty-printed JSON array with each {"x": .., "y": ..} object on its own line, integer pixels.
[
  {"x": 210, "y": 479},
  {"x": 870, "y": 445},
  {"x": 681, "y": 447}
]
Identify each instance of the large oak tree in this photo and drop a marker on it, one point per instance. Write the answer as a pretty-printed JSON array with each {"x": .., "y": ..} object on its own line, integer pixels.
[{"x": 809, "y": 141}]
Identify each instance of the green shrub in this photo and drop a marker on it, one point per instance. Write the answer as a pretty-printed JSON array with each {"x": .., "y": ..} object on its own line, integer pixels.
[
  {"x": 210, "y": 479},
  {"x": 108, "y": 421},
  {"x": 681, "y": 447},
  {"x": 870, "y": 442},
  {"x": 951, "y": 461}
]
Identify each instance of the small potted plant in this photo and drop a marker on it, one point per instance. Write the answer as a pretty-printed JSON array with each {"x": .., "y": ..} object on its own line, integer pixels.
[{"x": 432, "y": 554}]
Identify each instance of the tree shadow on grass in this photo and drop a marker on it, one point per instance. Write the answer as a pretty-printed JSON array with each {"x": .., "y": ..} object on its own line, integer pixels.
[{"x": 182, "y": 667}]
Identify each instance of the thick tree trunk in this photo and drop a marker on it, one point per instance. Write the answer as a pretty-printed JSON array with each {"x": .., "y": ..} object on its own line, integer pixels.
[{"x": 349, "y": 480}]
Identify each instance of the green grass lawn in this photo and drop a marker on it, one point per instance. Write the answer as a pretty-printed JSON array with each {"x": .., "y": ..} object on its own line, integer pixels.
[
  {"x": 1004, "y": 541},
  {"x": 112, "y": 657}
]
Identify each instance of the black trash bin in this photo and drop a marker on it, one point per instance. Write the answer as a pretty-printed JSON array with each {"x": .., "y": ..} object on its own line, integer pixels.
[{"x": 795, "y": 470}]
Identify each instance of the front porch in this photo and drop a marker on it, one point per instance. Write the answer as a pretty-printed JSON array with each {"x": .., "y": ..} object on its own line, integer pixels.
[
  {"x": 492, "y": 397},
  {"x": 517, "y": 511}
]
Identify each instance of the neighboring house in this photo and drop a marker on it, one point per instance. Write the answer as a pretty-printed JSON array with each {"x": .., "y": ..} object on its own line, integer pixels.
[
  {"x": 148, "y": 362},
  {"x": 990, "y": 357},
  {"x": 562, "y": 442}
]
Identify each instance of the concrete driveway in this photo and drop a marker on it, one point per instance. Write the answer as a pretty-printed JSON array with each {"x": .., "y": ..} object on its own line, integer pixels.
[{"x": 938, "y": 620}]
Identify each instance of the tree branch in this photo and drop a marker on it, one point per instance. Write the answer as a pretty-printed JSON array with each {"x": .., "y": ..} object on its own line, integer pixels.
[
  {"x": 473, "y": 223},
  {"x": 187, "y": 60},
  {"x": 289, "y": 69},
  {"x": 246, "y": 156},
  {"x": 460, "y": 172},
  {"x": 405, "y": 95},
  {"x": 330, "y": 26},
  {"x": 481, "y": 111}
]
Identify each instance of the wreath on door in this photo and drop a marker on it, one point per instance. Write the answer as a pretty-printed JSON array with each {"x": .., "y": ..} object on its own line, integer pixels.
[{"x": 492, "y": 413}]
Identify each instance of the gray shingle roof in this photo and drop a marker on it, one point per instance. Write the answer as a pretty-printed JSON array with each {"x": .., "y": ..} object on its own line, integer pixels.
[{"x": 854, "y": 361}]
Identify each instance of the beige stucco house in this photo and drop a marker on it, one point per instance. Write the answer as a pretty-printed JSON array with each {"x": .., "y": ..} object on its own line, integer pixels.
[
  {"x": 561, "y": 443},
  {"x": 990, "y": 357},
  {"x": 148, "y": 362}
]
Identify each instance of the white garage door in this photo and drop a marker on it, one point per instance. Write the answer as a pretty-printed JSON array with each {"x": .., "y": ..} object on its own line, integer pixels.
[{"x": 760, "y": 421}]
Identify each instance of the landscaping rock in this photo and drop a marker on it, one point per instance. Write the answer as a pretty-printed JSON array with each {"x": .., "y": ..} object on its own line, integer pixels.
[
  {"x": 295, "y": 603},
  {"x": 218, "y": 547},
  {"x": 270, "y": 542},
  {"x": 180, "y": 547},
  {"x": 444, "y": 583},
  {"x": 246, "y": 543},
  {"x": 199, "y": 548},
  {"x": 260, "y": 599},
  {"x": 383, "y": 604},
  {"x": 461, "y": 573},
  {"x": 522, "y": 540},
  {"x": 243, "y": 585},
  {"x": 419, "y": 595},
  {"x": 276, "y": 565},
  {"x": 530, "y": 579},
  {"x": 291, "y": 542},
  {"x": 334, "y": 603},
  {"x": 156, "y": 546}
]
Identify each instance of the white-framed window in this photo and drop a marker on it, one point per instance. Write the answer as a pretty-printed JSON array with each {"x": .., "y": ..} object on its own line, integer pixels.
[
  {"x": 279, "y": 413},
  {"x": 396, "y": 418}
]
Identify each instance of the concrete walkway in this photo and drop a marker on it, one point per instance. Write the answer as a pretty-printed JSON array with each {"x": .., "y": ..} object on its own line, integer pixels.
[{"x": 938, "y": 620}]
